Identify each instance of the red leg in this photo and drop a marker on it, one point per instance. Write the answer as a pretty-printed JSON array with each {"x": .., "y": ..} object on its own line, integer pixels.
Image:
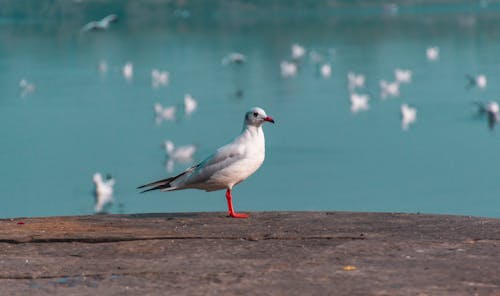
[{"x": 230, "y": 206}]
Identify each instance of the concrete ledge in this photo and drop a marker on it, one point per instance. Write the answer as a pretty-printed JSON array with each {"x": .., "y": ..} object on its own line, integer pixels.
[{"x": 271, "y": 253}]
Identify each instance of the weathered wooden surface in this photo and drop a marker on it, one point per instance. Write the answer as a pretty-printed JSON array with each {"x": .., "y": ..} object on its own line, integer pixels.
[{"x": 274, "y": 253}]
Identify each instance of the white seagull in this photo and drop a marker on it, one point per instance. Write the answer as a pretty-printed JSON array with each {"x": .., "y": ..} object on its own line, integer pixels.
[
  {"x": 159, "y": 78},
  {"x": 492, "y": 110},
  {"x": 182, "y": 154},
  {"x": 190, "y": 104},
  {"x": 389, "y": 89},
  {"x": 326, "y": 70},
  {"x": 355, "y": 80},
  {"x": 228, "y": 166},
  {"x": 103, "y": 192},
  {"x": 128, "y": 71},
  {"x": 234, "y": 58},
  {"x": 164, "y": 113},
  {"x": 480, "y": 81},
  {"x": 288, "y": 69},
  {"x": 359, "y": 102},
  {"x": 100, "y": 25},
  {"x": 408, "y": 116},
  {"x": 102, "y": 66},
  {"x": 432, "y": 53},
  {"x": 403, "y": 76},
  {"x": 298, "y": 51},
  {"x": 26, "y": 87}
]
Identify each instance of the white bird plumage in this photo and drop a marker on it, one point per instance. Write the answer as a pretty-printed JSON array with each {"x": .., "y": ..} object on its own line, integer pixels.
[
  {"x": 159, "y": 78},
  {"x": 26, "y": 87},
  {"x": 326, "y": 70},
  {"x": 228, "y": 166},
  {"x": 103, "y": 192},
  {"x": 389, "y": 89},
  {"x": 181, "y": 154},
  {"x": 298, "y": 51},
  {"x": 234, "y": 58},
  {"x": 164, "y": 113},
  {"x": 432, "y": 53},
  {"x": 101, "y": 25},
  {"x": 359, "y": 102},
  {"x": 492, "y": 110},
  {"x": 402, "y": 75},
  {"x": 288, "y": 69},
  {"x": 190, "y": 104},
  {"x": 355, "y": 81},
  {"x": 128, "y": 71},
  {"x": 408, "y": 116}
]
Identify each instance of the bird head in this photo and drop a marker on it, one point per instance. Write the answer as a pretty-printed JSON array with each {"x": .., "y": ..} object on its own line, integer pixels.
[{"x": 256, "y": 117}]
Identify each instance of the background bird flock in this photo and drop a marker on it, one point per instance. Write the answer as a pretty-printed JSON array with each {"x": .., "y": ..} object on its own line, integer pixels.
[{"x": 361, "y": 98}]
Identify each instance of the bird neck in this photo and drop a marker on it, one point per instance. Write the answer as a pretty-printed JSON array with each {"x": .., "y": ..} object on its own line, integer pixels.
[{"x": 252, "y": 131}]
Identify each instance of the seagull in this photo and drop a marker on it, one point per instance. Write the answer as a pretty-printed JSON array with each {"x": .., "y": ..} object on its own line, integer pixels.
[
  {"x": 228, "y": 166},
  {"x": 288, "y": 69},
  {"x": 408, "y": 116},
  {"x": 102, "y": 66},
  {"x": 315, "y": 57},
  {"x": 164, "y": 113},
  {"x": 159, "y": 78},
  {"x": 26, "y": 87},
  {"x": 326, "y": 70},
  {"x": 190, "y": 104},
  {"x": 128, "y": 71},
  {"x": 100, "y": 25},
  {"x": 480, "y": 81},
  {"x": 403, "y": 76},
  {"x": 355, "y": 80},
  {"x": 178, "y": 154},
  {"x": 492, "y": 110},
  {"x": 432, "y": 53},
  {"x": 359, "y": 102},
  {"x": 298, "y": 51},
  {"x": 103, "y": 191},
  {"x": 234, "y": 58},
  {"x": 389, "y": 89}
]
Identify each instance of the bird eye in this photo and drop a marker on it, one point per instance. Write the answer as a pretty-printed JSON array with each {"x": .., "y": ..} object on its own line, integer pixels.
[{"x": 255, "y": 114}]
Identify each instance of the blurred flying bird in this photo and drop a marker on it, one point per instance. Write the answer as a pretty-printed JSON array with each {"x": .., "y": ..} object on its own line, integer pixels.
[
  {"x": 26, "y": 87},
  {"x": 480, "y": 81},
  {"x": 159, "y": 78},
  {"x": 164, "y": 113},
  {"x": 128, "y": 71},
  {"x": 102, "y": 67},
  {"x": 491, "y": 110},
  {"x": 402, "y": 76},
  {"x": 355, "y": 81},
  {"x": 182, "y": 154},
  {"x": 190, "y": 104},
  {"x": 298, "y": 51},
  {"x": 432, "y": 53},
  {"x": 100, "y": 25},
  {"x": 326, "y": 70},
  {"x": 228, "y": 166},
  {"x": 389, "y": 89},
  {"x": 234, "y": 58},
  {"x": 408, "y": 116},
  {"x": 359, "y": 102},
  {"x": 288, "y": 69},
  {"x": 103, "y": 192}
]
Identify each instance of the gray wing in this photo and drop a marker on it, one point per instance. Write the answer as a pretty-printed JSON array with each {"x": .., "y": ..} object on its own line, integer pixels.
[
  {"x": 223, "y": 158},
  {"x": 110, "y": 19},
  {"x": 90, "y": 26}
]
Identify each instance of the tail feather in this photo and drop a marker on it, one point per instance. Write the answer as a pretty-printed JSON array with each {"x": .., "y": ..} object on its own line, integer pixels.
[{"x": 160, "y": 184}]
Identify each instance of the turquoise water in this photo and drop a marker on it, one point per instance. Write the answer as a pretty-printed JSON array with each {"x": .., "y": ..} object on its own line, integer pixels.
[{"x": 320, "y": 156}]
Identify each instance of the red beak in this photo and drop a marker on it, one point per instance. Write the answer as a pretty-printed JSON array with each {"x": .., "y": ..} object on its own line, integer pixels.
[{"x": 269, "y": 118}]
